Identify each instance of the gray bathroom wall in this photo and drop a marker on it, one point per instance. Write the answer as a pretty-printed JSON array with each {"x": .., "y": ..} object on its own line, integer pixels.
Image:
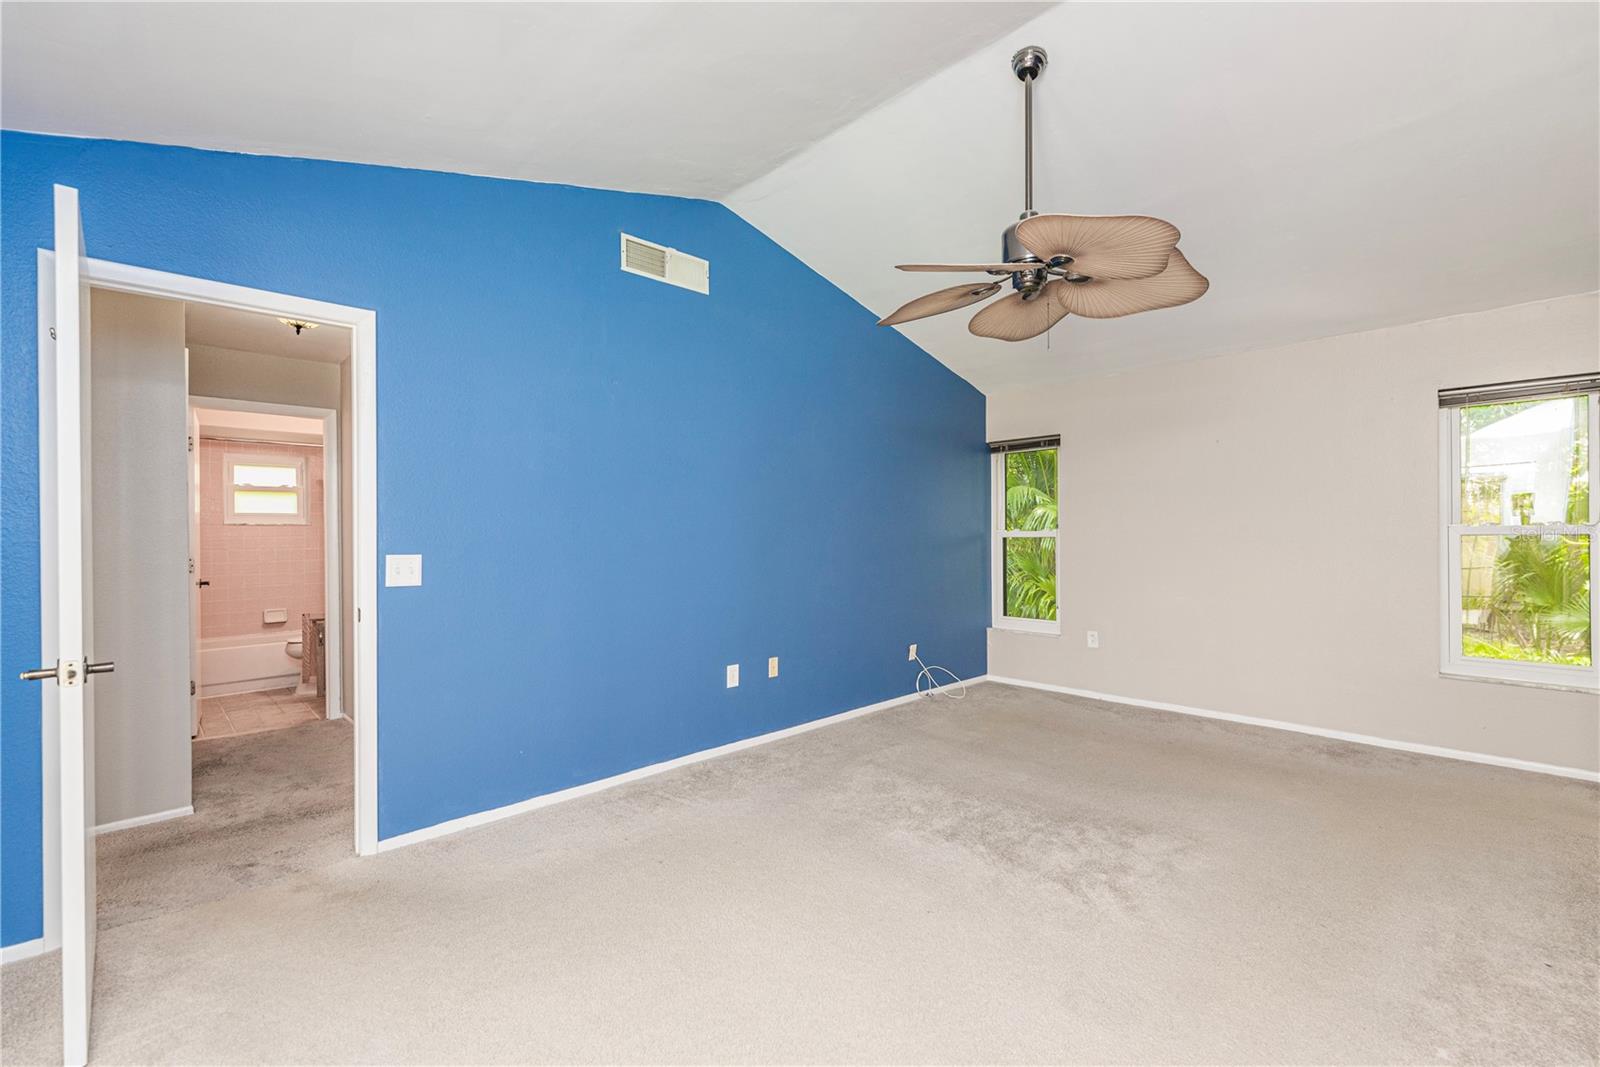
[
  {"x": 240, "y": 375},
  {"x": 140, "y": 492}
]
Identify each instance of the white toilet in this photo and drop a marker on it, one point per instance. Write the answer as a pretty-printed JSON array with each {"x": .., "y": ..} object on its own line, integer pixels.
[{"x": 296, "y": 650}]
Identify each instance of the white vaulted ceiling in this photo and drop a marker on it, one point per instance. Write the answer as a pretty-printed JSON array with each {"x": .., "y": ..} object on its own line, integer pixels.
[
  {"x": 690, "y": 99},
  {"x": 1333, "y": 168}
]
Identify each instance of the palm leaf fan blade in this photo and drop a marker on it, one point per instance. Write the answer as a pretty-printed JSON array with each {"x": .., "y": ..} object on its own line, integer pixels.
[
  {"x": 1109, "y": 299},
  {"x": 940, "y": 301},
  {"x": 1017, "y": 319}
]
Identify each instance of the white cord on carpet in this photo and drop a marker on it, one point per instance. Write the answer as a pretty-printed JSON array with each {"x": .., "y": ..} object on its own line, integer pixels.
[{"x": 934, "y": 687}]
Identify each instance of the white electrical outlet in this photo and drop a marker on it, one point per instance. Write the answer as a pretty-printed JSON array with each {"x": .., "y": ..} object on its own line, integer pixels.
[
  {"x": 772, "y": 667},
  {"x": 911, "y": 653},
  {"x": 733, "y": 676},
  {"x": 1094, "y": 638}
]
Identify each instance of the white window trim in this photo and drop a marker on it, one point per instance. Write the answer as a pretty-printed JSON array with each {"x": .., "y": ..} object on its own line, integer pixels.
[
  {"x": 1452, "y": 664},
  {"x": 997, "y": 551},
  {"x": 230, "y": 517}
]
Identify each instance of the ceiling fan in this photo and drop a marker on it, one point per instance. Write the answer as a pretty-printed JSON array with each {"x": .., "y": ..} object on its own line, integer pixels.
[{"x": 1097, "y": 266}]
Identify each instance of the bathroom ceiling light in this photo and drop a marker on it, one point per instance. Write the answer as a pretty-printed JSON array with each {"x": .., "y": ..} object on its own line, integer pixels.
[{"x": 299, "y": 325}]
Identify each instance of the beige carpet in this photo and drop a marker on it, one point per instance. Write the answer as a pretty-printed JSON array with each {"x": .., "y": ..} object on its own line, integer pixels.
[
  {"x": 1016, "y": 877},
  {"x": 268, "y": 806}
]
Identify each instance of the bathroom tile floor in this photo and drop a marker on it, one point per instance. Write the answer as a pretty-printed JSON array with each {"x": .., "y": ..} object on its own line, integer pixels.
[{"x": 252, "y": 713}]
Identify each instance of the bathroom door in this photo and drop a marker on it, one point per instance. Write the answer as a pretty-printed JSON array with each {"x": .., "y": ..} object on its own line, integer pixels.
[
  {"x": 74, "y": 625},
  {"x": 196, "y": 575}
]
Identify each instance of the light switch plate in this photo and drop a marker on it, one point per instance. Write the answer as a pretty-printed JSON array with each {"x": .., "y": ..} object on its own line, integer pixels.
[
  {"x": 772, "y": 666},
  {"x": 733, "y": 676},
  {"x": 402, "y": 570},
  {"x": 1094, "y": 638}
]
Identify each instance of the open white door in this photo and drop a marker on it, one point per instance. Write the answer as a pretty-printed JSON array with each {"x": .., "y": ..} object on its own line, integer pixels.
[
  {"x": 196, "y": 583},
  {"x": 75, "y": 625},
  {"x": 74, "y": 631}
]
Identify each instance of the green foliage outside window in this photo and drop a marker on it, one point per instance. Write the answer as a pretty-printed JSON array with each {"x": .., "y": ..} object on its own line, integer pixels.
[
  {"x": 1526, "y": 598},
  {"x": 1030, "y": 562}
]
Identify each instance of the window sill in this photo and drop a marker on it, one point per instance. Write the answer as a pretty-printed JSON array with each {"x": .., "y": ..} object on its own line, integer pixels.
[
  {"x": 1526, "y": 683},
  {"x": 1026, "y": 631}
]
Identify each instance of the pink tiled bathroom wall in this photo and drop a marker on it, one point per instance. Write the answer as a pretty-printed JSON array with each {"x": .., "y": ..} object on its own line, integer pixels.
[{"x": 253, "y": 568}]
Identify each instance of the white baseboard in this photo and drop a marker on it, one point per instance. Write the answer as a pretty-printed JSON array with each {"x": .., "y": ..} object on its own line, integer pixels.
[
  {"x": 1315, "y": 731},
  {"x": 22, "y": 950},
  {"x": 466, "y": 822},
  {"x": 144, "y": 820}
]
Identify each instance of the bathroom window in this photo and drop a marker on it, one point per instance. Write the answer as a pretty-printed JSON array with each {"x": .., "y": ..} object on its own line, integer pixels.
[{"x": 264, "y": 490}]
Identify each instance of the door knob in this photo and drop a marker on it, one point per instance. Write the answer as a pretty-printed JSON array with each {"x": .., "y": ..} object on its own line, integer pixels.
[
  {"x": 67, "y": 673},
  {"x": 202, "y": 583}
]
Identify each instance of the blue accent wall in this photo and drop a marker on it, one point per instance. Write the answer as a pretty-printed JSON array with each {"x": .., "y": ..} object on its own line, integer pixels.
[{"x": 618, "y": 486}]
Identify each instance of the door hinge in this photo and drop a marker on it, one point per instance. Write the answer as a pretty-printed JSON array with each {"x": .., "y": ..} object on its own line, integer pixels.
[
  {"x": 191, "y": 442},
  {"x": 191, "y": 564},
  {"x": 191, "y": 687}
]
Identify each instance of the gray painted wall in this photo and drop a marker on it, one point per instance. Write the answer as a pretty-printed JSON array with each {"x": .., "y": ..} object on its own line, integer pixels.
[
  {"x": 238, "y": 375},
  {"x": 1259, "y": 533},
  {"x": 141, "y": 537}
]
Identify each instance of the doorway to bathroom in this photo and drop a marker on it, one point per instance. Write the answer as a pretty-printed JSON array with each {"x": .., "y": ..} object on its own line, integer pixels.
[
  {"x": 266, "y": 596},
  {"x": 116, "y": 370}
]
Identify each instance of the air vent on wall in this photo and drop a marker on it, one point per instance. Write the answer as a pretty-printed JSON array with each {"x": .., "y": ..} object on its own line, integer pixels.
[{"x": 665, "y": 264}]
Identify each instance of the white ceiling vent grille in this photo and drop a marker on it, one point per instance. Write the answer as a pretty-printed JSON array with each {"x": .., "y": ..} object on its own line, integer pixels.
[{"x": 665, "y": 264}]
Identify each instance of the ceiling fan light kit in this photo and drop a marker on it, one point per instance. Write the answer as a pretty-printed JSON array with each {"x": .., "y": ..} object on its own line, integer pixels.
[{"x": 1094, "y": 266}]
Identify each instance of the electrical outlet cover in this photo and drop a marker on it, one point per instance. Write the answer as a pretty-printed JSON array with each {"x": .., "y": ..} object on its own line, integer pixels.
[{"x": 733, "y": 676}]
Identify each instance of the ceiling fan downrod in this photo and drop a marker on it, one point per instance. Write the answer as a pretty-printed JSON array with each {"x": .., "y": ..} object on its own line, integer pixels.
[{"x": 1028, "y": 65}]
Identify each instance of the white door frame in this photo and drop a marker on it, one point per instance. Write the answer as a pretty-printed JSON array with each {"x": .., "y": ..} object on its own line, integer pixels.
[
  {"x": 363, "y": 326},
  {"x": 332, "y": 574},
  {"x": 191, "y": 426}
]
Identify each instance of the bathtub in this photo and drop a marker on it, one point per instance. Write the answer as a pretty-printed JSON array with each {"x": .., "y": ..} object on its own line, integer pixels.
[{"x": 245, "y": 663}]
